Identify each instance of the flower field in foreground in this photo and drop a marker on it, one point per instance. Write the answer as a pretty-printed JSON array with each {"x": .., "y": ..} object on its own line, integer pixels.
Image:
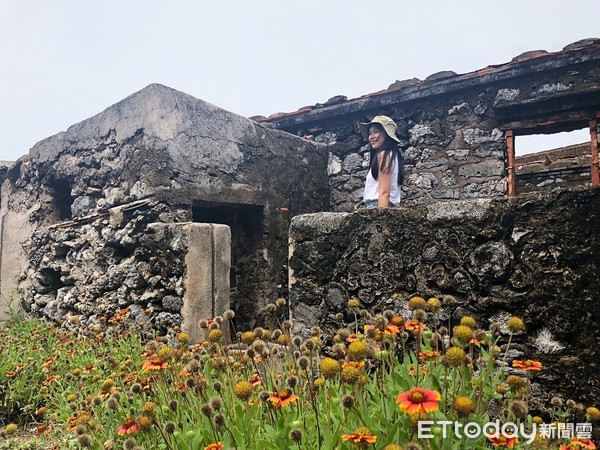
[{"x": 385, "y": 382}]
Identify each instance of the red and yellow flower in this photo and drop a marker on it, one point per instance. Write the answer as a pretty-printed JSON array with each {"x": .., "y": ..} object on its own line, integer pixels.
[
  {"x": 503, "y": 441},
  {"x": 154, "y": 364},
  {"x": 415, "y": 326},
  {"x": 578, "y": 443},
  {"x": 428, "y": 354},
  {"x": 362, "y": 435},
  {"x": 419, "y": 401},
  {"x": 527, "y": 364},
  {"x": 281, "y": 399},
  {"x": 129, "y": 426},
  {"x": 217, "y": 446}
]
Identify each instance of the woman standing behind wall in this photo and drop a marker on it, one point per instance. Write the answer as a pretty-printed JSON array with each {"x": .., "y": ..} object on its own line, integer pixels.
[{"x": 386, "y": 164}]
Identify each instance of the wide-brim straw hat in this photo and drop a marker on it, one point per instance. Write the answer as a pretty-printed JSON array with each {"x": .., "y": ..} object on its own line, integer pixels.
[{"x": 389, "y": 126}]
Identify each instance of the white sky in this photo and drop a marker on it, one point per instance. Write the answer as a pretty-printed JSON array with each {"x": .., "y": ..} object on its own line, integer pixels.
[{"x": 62, "y": 61}]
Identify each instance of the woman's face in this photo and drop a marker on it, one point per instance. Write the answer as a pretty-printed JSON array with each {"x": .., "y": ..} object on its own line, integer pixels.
[{"x": 376, "y": 136}]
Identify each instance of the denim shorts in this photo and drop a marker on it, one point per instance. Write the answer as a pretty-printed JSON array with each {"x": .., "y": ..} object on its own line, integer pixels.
[{"x": 372, "y": 204}]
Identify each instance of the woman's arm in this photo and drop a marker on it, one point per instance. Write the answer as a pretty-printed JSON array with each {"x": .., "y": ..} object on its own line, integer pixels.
[{"x": 385, "y": 183}]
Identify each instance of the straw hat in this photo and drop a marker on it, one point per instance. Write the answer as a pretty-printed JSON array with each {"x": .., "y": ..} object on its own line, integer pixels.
[{"x": 389, "y": 126}]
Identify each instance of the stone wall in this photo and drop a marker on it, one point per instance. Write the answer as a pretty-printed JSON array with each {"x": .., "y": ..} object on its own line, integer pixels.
[
  {"x": 535, "y": 257},
  {"x": 453, "y": 126},
  {"x": 80, "y": 203}
]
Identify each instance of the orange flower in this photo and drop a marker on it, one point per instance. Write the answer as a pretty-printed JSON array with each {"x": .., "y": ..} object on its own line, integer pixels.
[
  {"x": 42, "y": 429},
  {"x": 528, "y": 364},
  {"x": 428, "y": 354},
  {"x": 10, "y": 374},
  {"x": 129, "y": 426},
  {"x": 503, "y": 441},
  {"x": 355, "y": 337},
  {"x": 255, "y": 380},
  {"x": 217, "y": 446},
  {"x": 357, "y": 365},
  {"x": 578, "y": 443},
  {"x": 422, "y": 369},
  {"x": 419, "y": 401},
  {"x": 389, "y": 329},
  {"x": 359, "y": 436},
  {"x": 154, "y": 364},
  {"x": 415, "y": 326},
  {"x": 51, "y": 379},
  {"x": 281, "y": 399},
  {"x": 88, "y": 368}
]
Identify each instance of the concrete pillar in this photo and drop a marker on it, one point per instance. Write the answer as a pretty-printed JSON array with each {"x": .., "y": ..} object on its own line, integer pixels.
[
  {"x": 15, "y": 229},
  {"x": 208, "y": 262}
]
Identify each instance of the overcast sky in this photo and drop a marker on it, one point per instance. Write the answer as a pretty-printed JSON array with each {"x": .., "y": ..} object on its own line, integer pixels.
[{"x": 62, "y": 61}]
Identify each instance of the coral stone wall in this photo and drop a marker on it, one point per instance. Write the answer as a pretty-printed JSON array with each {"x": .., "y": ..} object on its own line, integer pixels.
[
  {"x": 87, "y": 196},
  {"x": 535, "y": 257}
]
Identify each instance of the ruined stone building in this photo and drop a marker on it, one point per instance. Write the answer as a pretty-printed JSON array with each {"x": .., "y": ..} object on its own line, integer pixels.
[{"x": 173, "y": 209}]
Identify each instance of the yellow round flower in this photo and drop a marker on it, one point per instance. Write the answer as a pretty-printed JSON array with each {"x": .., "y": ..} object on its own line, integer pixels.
[
  {"x": 243, "y": 390},
  {"x": 164, "y": 353},
  {"x": 463, "y": 406},
  {"x": 248, "y": 337},
  {"x": 319, "y": 382},
  {"x": 11, "y": 428},
  {"x": 463, "y": 333},
  {"x": 434, "y": 303},
  {"x": 215, "y": 335},
  {"x": 357, "y": 351},
  {"x": 515, "y": 325},
  {"x": 417, "y": 303},
  {"x": 516, "y": 382},
  {"x": 329, "y": 368},
  {"x": 455, "y": 356},
  {"x": 593, "y": 413},
  {"x": 350, "y": 375},
  {"x": 468, "y": 321},
  {"x": 184, "y": 338},
  {"x": 353, "y": 303}
]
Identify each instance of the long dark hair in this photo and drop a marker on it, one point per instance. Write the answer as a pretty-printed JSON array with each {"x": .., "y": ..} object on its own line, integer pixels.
[{"x": 391, "y": 151}]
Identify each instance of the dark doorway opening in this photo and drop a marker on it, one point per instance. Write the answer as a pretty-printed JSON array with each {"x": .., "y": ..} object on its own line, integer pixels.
[{"x": 247, "y": 242}]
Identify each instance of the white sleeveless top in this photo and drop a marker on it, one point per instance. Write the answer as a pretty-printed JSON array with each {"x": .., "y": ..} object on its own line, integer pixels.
[{"x": 372, "y": 186}]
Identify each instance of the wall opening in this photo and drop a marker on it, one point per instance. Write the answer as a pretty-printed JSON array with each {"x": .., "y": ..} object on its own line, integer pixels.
[
  {"x": 62, "y": 200},
  {"x": 247, "y": 242},
  {"x": 550, "y": 157}
]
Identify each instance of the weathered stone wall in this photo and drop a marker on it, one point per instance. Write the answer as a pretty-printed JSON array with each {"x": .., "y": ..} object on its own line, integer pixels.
[
  {"x": 536, "y": 257},
  {"x": 452, "y": 126},
  {"x": 567, "y": 166},
  {"x": 87, "y": 196}
]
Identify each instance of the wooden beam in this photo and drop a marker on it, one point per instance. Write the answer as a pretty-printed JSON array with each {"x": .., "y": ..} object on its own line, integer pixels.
[
  {"x": 510, "y": 151},
  {"x": 594, "y": 144}
]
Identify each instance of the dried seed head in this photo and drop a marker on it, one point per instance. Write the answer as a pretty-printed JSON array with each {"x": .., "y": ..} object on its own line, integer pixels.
[
  {"x": 219, "y": 420},
  {"x": 303, "y": 362},
  {"x": 280, "y": 302},
  {"x": 169, "y": 428},
  {"x": 216, "y": 403},
  {"x": 420, "y": 315},
  {"x": 296, "y": 435},
  {"x": 228, "y": 315},
  {"x": 207, "y": 410},
  {"x": 348, "y": 401}
]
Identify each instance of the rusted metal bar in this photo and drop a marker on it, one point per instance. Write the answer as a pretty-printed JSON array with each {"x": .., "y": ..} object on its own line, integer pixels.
[
  {"x": 510, "y": 150},
  {"x": 594, "y": 144}
]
